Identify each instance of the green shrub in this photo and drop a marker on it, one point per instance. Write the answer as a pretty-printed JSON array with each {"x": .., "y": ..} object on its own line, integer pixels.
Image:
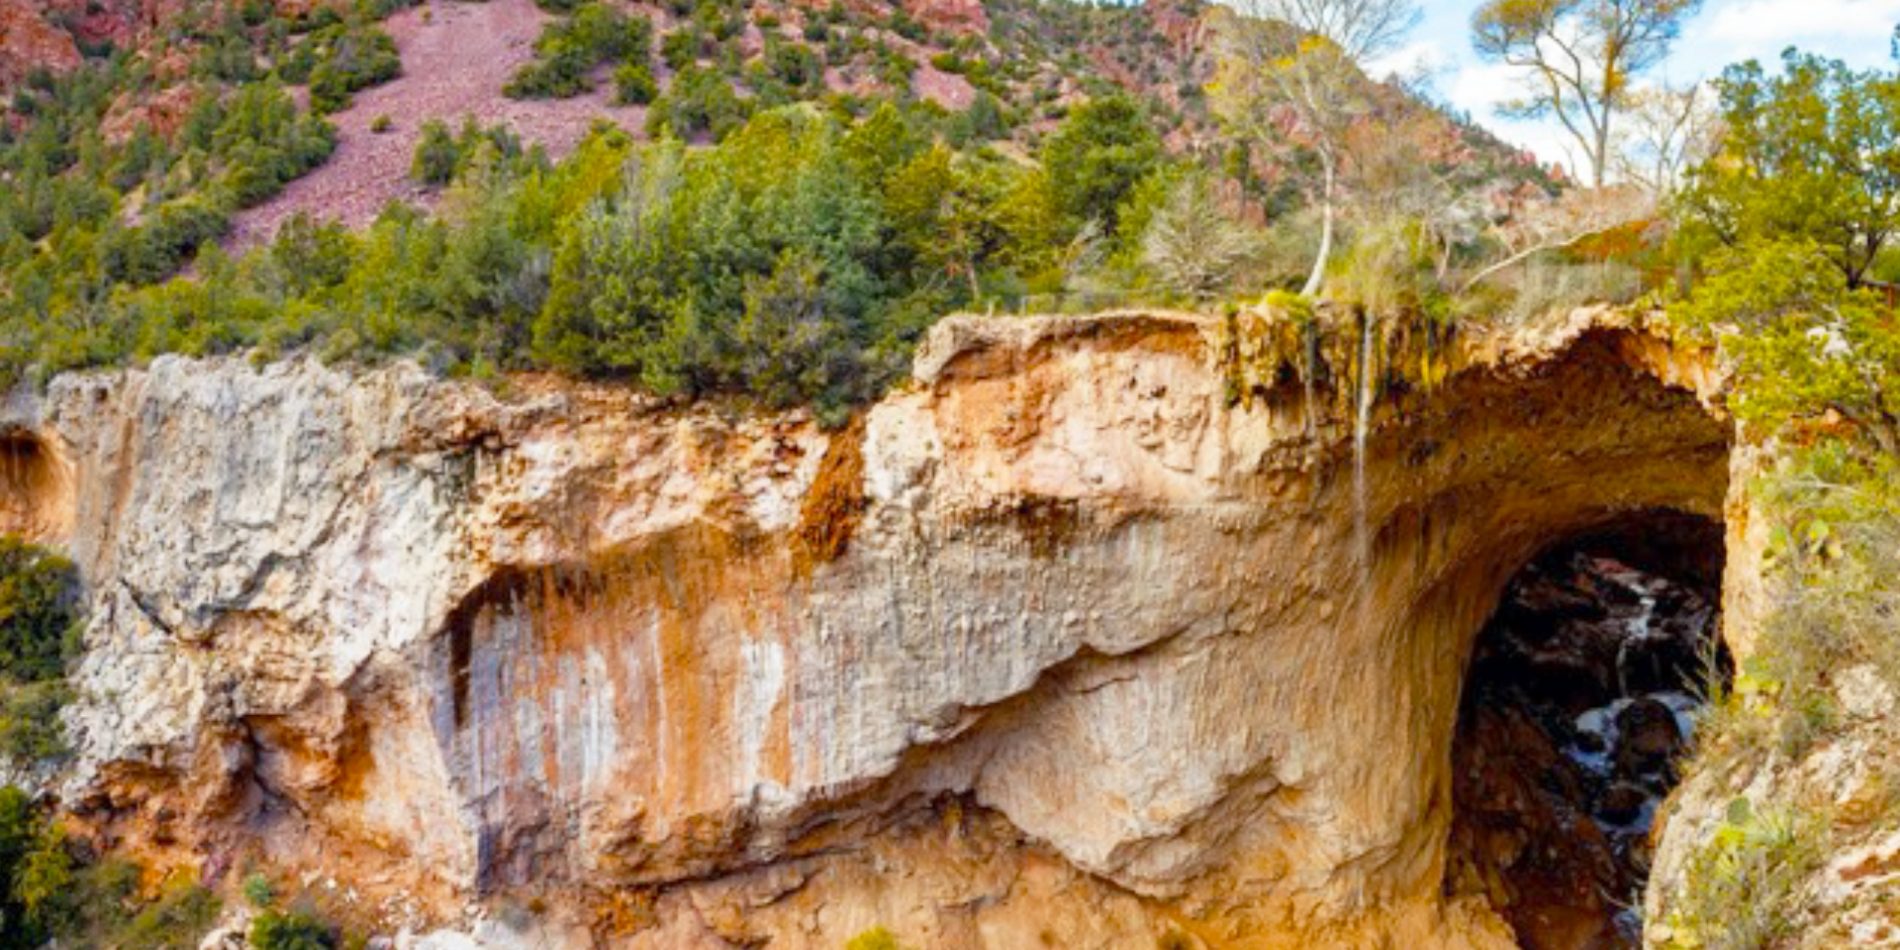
[
  {"x": 793, "y": 64},
  {"x": 436, "y": 155},
  {"x": 37, "y": 589},
  {"x": 261, "y": 143},
  {"x": 559, "y": 73},
  {"x": 568, "y": 50},
  {"x": 343, "y": 59},
  {"x": 258, "y": 890},
  {"x": 634, "y": 85},
  {"x": 50, "y": 897},
  {"x": 699, "y": 102},
  {"x": 1097, "y": 156},
  {"x": 983, "y": 121},
  {"x": 1740, "y": 888},
  {"x": 30, "y": 727},
  {"x": 679, "y": 49},
  {"x": 272, "y": 930},
  {"x": 178, "y": 919}
]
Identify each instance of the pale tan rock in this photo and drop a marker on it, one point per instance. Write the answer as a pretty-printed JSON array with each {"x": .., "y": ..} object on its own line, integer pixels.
[{"x": 1059, "y": 640}]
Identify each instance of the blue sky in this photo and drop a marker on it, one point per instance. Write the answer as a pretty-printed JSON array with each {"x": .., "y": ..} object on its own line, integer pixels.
[{"x": 1725, "y": 31}]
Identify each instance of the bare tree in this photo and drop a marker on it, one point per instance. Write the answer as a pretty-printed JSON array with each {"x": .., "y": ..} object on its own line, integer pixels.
[
  {"x": 1575, "y": 215},
  {"x": 1412, "y": 180},
  {"x": 1192, "y": 245},
  {"x": 1297, "y": 63},
  {"x": 1579, "y": 57},
  {"x": 1670, "y": 130}
]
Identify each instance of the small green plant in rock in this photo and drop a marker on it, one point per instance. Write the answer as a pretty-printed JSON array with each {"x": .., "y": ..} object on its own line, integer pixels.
[
  {"x": 1740, "y": 889},
  {"x": 258, "y": 890},
  {"x": 290, "y": 931}
]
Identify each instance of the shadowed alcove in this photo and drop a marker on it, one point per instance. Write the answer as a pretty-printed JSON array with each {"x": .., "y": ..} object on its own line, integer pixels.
[{"x": 1577, "y": 707}]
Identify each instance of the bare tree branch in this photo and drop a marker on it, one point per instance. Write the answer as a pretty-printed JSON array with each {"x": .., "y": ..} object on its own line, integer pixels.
[{"x": 1581, "y": 56}]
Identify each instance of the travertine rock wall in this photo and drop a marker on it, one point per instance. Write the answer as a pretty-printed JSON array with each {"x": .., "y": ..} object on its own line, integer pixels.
[{"x": 1060, "y": 642}]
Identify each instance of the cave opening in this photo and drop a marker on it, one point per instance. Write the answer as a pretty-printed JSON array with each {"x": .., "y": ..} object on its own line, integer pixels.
[
  {"x": 1578, "y": 704},
  {"x": 33, "y": 491}
]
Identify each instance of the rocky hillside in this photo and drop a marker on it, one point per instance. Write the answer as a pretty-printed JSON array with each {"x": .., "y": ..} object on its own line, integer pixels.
[{"x": 125, "y": 91}]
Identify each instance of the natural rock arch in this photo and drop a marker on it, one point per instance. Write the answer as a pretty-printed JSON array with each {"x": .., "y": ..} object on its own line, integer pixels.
[
  {"x": 1143, "y": 635},
  {"x": 1072, "y": 626}
]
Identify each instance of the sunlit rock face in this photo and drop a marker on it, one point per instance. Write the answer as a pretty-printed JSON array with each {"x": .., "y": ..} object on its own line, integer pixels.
[{"x": 1071, "y": 639}]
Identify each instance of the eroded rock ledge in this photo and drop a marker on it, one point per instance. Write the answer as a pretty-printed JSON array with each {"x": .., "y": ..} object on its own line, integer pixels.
[{"x": 1061, "y": 642}]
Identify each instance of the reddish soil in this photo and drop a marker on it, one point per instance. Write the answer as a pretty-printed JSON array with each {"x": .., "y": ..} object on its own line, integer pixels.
[
  {"x": 29, "y": 42},
  {"x": 456, "y": 56},
  {"x": 949, "y": 90}
]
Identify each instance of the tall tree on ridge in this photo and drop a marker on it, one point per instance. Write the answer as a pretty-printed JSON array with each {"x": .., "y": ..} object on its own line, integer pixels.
[{"x": 1579, "y": 57}]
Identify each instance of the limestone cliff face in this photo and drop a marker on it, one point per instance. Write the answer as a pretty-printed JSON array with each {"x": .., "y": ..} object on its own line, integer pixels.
[{"x": 1066, "y": 641}]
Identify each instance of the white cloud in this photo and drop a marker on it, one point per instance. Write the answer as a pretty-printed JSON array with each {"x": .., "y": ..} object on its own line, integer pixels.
[
  {"x": 1481, "y": 87},
  {"x": 1757, "y": 24}
]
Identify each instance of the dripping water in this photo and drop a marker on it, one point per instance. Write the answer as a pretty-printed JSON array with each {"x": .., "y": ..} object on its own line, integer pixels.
[{"x": 1362, "y": 417}]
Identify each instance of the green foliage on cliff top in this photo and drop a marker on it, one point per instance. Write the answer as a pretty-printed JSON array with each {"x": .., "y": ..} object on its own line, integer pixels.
[
  {"x": 795, "y": 262},
  {"x": 1809, "y": 349},
  {"x": 1811, "y": 154},
  {"x": 1034, "y": 196},
  {"x": 1792, "y": 219}
]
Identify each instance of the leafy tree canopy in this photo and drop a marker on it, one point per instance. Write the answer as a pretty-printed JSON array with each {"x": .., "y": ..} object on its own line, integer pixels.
[
  {"x": 1097, "y": 155},
  {"x": 1812, "y": 154}
]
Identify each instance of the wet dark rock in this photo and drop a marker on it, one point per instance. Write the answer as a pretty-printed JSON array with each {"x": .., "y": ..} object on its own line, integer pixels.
[
  {"x": 1590, "y": 743},
  {"x": 1622, "y": 803},
  {"x": 1543, "y": 596},
  {"x": 1566, "y": 746},
  {"x": 1657, "y": 663},
  {"x": 1569, "y": 682},
  {"x": 1647, "y": 737}
]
